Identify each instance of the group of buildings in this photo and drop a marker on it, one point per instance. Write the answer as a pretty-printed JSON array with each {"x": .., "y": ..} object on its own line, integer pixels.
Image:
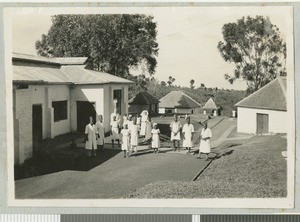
[{"x": 54, "y": 96}]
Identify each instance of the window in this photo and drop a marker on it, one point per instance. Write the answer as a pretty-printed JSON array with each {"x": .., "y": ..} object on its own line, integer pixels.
[
  {"x": 60, "y": 110},
  {"x": 118, "y": 97}
]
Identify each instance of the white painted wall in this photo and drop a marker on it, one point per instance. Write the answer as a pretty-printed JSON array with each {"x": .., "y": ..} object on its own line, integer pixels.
[
  {"x": 59, "y": 93},
  {"x": 161, "y": 110},
  {"x": 25, "y": 98},
  {"x": 246, "y": 121},
  {"x": 102, "y": 95}
]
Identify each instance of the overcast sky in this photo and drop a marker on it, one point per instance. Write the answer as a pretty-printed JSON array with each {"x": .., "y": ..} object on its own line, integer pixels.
[{"x": 187, "y": 38}]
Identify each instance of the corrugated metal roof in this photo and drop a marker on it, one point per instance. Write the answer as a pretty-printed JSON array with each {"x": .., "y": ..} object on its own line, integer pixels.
[
  {"x": 80, "y": 75},
  {"x": 210, "y": 104},
  {"x": 38, "y": 73},
  {"x": 143, "y": 98},
  {"x": 178, "y": 99},
  {"x": 271, "y": 96},
  {"x": 36, "y": 69},
  {"x": 72, "y": 61},
  {"x": 33, "y": 58}
]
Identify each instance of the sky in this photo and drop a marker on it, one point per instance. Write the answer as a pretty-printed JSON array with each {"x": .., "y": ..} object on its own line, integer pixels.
[{"x": 187, "y": 38}]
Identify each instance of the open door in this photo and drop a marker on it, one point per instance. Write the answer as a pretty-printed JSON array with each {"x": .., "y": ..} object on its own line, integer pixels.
[
  {"x": 37, "y": 126},
  {"x": 85, "y": 109}
]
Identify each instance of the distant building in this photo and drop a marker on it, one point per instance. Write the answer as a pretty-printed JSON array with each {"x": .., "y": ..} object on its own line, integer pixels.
[
  {"x": 143, "y": 101},
  {"x": 210, "y": 107},
  {"x": 264, "y": 111},
  {"x": 178, "y": 102},
  {"x": 54, "y": 96}
]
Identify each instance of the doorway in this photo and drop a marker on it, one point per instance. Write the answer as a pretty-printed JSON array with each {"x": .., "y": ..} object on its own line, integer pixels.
[
  {"x": 85, "y": 109},
  {"x": 37, "y": 126},
  {"x": 262, "y": 123}
]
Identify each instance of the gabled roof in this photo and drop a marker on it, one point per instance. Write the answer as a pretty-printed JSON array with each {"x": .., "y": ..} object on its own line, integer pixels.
[
  {"x": 42, "y": 70},
  {"x": 271, "y": 96},
  {"x": 178, "y": 99},
  {"x": 143, "y": 98},
  {"x": 210, "y": 104}
]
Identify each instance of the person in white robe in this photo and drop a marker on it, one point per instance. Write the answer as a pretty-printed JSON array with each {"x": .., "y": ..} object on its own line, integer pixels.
[
  {"x": 100, "y": 133},
  {"x": 155, "y": 138},
  {"x": 129, "y": 122},
  {"x": 115, "y": 131},
  {"x": 187, "y": 133},
  {"x": 90, "y": 138},
  {"x": 175, "y": 127},
  {"x": 144, "y": 117},
  {"x": 134, "y": 136},
  {"x": 125, "y": 141},
  {"x": 115, "y": 114},
  {"x": 204, "y": 147},
  {"x": 125, "y": 119}
]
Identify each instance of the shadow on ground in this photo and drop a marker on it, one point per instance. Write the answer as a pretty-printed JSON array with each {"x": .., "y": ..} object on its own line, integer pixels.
[{"x": 65, "y": 159}]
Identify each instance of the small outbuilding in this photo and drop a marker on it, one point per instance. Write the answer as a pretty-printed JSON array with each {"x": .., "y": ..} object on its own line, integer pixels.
[
  {"x": 264, "y": 111},
  {"x": 210, "y": 107},
  {"x": 143, "y": 101},
  {"x": 178, "y": 102}
]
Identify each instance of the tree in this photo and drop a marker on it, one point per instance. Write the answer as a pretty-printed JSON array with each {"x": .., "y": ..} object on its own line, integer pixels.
[
  {"x": 202, "y": 85},
  {"x": 113, "y": 43},
  {"x": 171, "y": 80},
  {"x": 192, "y": 82},
  {"x": 254, "y": 45}
]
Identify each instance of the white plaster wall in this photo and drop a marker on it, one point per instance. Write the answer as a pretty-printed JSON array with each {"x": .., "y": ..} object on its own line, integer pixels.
[
  {"x": 59, "y": 93},
  {"x": 23, "y": 120},
  {"x": 183, "y": 110},
  {"x": 161, "y": 110},
  {"x": 246, "y": 121},
  {"x": 92, "y": 93}
]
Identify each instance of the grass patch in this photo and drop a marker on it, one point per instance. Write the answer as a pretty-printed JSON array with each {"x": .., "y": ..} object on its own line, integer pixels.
[{"x": 255, "y": 169}]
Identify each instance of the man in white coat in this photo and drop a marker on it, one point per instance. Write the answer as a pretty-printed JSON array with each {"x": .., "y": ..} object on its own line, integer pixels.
[
  {"x": 205, "y": 141},
  {"x": 90, "y": 138},
  {"x": 100, "y": 133},
  {"x": 175, "y": 127}
]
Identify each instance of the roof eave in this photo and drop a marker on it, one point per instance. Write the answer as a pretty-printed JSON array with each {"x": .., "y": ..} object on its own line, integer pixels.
[
  {"x": 258, "y": 107},
  {"x": 40, "y": 82}
]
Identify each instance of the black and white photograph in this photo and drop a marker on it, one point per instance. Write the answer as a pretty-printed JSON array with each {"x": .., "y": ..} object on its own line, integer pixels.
[{"x": 151, "y": 106}]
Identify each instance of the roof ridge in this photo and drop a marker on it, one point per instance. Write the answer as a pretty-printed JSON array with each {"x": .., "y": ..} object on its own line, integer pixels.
[
  {"x": 190, "y": 98},
  {"x": 268, "y": 84},
  {"x": 282, "y": 86}
]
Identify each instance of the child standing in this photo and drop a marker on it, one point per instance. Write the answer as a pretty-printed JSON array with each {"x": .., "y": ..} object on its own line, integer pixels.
[
  {"x": 155, "y": 138},
  {"x": 125, "y": 140},
  {"x": 134, "y": 136}
]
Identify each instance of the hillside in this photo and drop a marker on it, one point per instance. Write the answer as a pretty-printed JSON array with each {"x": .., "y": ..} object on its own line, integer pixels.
[{"x": 224, "y": 98}]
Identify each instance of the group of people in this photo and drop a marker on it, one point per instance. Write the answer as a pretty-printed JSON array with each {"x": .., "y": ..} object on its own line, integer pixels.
[
  {"x": 130, "y": 128},
  {"x": 186, "y": 132}
]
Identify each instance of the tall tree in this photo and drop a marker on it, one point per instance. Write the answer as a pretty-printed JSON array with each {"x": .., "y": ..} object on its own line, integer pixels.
[
  {"x": 192, "y": 82},
  {"x": 255, "y": 46},
  {"x": 171, "y": 80},
  {"x": 113, "y": 43}
]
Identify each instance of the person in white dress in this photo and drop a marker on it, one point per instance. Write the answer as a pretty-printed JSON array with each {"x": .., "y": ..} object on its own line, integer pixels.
[
  {"x": 134, "y": 136},
  {"x": 129, "y": 122},
  {"x": 115, "y": 114},
  {"x": 175, "y": 127},
  {"x": 125, "y": 140},
  {"x": 90, "y": 138},
  {"x": 100, "y": 130},
  {"x": 187, "y": 133},
  {"x": 115, "y": 131},
  {"x": 144, "y": 117},
  {"x": 204, "y": 147},
  {"x": 155, "y": 138},
  {"x": 125, "y": 119}
]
